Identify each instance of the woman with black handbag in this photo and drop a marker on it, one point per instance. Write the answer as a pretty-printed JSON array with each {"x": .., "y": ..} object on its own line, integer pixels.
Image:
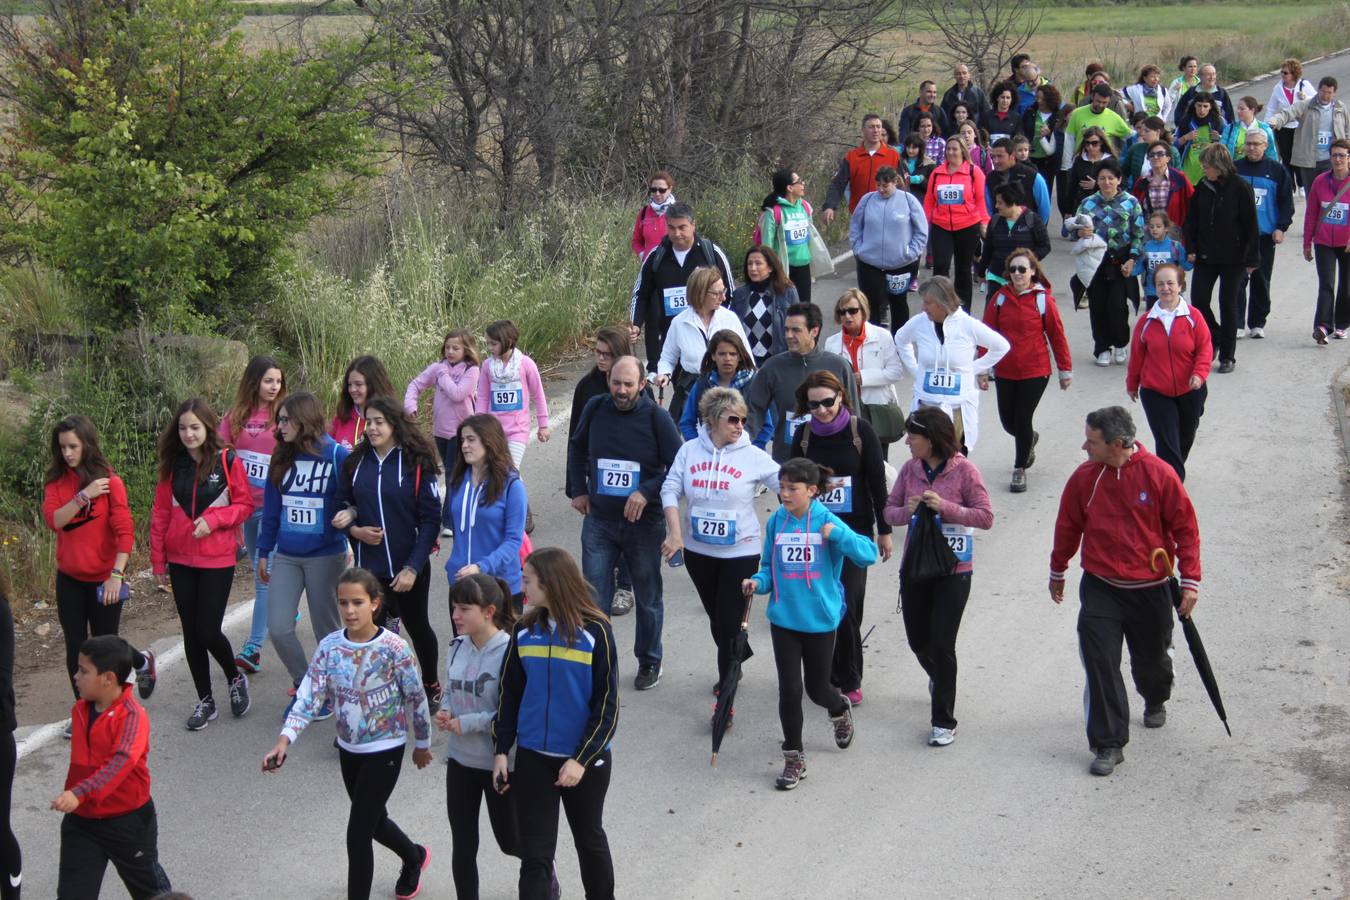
[{"x": 948, "y": 484}]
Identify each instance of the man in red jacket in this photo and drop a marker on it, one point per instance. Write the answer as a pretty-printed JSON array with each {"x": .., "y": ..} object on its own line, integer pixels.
[
  {"x": 858, "y": 169},
  {"x": 109, "y": 813},
  {"x": 1121, "y": 505}
]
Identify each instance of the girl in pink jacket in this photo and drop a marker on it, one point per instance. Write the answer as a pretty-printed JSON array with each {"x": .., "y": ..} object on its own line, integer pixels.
[
  {"x": 509, "y": 385},
  {"x": 455, "y": 377}
]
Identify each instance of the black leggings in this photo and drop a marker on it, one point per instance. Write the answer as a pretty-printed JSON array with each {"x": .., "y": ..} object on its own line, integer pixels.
[
  {"x": 465, "y": 788},
  {"x": 795, "y": 652},
  {"x": 370, "y": 779},
  {"x": 410, "y": 607},
  {"x": 718, "y": 582},
  {"x": 82, "y": 617},
  {"x": 201, "y": 595},
  {"x": 846, "y": 667},
  {"x": 875, "y": 285},
  {"x": 964, "y": 245},
  {"x": 1017, "y": 402},
  {"x": 932, "y": 612},
  {"x": 801, "y": 279},
  {"x": 537, "y": 797},
  {"x": 11, "y": 860}
]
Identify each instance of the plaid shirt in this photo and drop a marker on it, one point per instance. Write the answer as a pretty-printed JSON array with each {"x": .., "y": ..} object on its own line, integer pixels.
[{"x": 1118, "y": 221}]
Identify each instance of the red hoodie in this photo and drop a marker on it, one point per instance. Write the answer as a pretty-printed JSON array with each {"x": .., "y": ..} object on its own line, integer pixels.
[
  {"x": 955, "y": 200},
  {"x": 1120, "y": 516},
  {"x": 109, "y": 763},
  {"x": 1164, "y": 361},
  {"x": 223, "y": 500},
  {"x": 87, "y": 546},
  {"x": 1018, "y": 318}
]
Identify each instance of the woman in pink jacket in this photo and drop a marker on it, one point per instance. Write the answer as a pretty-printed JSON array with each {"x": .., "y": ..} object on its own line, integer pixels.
[
  {"x": 950, "y": 485},
  {"x": 955, "y": 207},
  {"x": 650, "y": 227},
  {"x": 201, "y": 501},
  {"x": 455, "y": 377},
  {"x": 1326, "y": 238}
]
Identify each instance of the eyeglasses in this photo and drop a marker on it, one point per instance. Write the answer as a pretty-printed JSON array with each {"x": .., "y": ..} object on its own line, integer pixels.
[
  {"x": 851, "y": 311},
  {"x": 827, "y": 402},
  {"x": 1092, "y": 143},
  {"x": 735, "y": 420},
  {"x": 1161, "y": 154},
  {"x": 1019, "y": 270},
  {"x": 1340, "y": 156},
  {"x": 718, "y": 293},
  {"x": 602, "y": 354},
  {"x": 796, "y": 182},
  {"x": 653, "y": 190}
]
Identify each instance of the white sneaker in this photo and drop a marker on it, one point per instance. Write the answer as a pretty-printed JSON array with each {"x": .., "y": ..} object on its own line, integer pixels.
[
  {"x": 1120, "y": 355},
  {"x": 623, "y": 602},
  {"x": 1239, "y": 335},
  {"x": 1256, "y": 333},
  {"x": 941, "y": 737},
  {"x": 1104, "y": 358}
]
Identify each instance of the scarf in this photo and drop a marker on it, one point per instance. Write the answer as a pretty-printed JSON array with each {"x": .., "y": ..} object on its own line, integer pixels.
[
  {"x": 505, "y": 372},
  {"x": 739, "y": 381},
  {"x": 838, "y": 424},
  {"x": 660, "y": 208}
]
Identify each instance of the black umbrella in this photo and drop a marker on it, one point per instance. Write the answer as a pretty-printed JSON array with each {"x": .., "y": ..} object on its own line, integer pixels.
[
  {"x": 1193, "y": 641},
  {"x": 726, "y": 691}
]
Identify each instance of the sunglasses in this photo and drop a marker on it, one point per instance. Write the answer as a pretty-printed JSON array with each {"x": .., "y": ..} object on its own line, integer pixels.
[
  {"x": 827, "y": 402},
  {"x": 1092, "y": 143},
  {"x": 735, "y": 420},
  {"x": 851, "y": 311},
  {"x": 652, "y": 190},
  {"x": 1019, "y": 270}
]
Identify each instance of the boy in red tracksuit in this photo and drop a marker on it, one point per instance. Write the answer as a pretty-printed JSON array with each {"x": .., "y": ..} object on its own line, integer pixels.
[{"x": 109, "y": 814}]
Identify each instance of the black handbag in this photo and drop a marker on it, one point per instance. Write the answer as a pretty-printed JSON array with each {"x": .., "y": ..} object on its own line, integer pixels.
[{"x": 927, "y": 553}]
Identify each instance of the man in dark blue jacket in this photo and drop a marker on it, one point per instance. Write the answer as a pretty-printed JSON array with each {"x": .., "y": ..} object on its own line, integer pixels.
[
  {"x": 616, "y": 462},
  {"x": 1274, "y": 192}
]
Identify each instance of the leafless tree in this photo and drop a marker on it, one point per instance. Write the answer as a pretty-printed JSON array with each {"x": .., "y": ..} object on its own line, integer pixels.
[{"x": 983, "y": 34}]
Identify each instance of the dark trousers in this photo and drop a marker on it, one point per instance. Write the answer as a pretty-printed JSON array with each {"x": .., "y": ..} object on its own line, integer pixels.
[
  {"x": 932, "y": 613},
  {"x": 370, "y": 779},
  {"x": 1333, "y": 287},
  {"x": 448, "y": 448},
  {"x": 537, "y": 798},
  {"x": 846, "y": 668},
  {"x": 1017, "y": 402},
  {"x": 200, "y": 596},
  {"x": 11, "y": 859},
  {"x": 718, "y": 582},
  {"x": 1284, "y": 142},
  {"x": 1254, "y": 299},
  {"x": 603, "y": 544},
  {"x": 880, "y": 301},
  {"x": 1048, "y": 168},
  {"x": 797, "y": 654},
  {"x": 465, "y": 790},
  {"x": 129, "y": 841},
  {"x": 1309, "y": 173},
  {"x": 410, "y": 607},
  {"x": 1173, "y": 421},
  {"x": 83, "y": 616},
  {"x": 1143, "y": 616},
  {"x": 963, "y": 246},
  {"x": 801, "y": 279},
  {"x": 1230, "y": 280},
  {"x": 1107, "y": 312}
]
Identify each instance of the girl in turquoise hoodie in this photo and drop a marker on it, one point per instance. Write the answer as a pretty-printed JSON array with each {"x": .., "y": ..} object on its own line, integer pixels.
[{"x": 804, "y": 550}]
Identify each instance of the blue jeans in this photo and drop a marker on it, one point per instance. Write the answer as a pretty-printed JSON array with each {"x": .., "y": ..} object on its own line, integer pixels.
[
  {"x": 257, "y": 633},
  {"x": 603, "y": 544}
]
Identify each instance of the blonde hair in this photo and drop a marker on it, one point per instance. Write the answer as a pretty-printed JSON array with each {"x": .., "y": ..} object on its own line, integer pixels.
[
  {"x": 852, "y": 294},
  {"x": 696, "y": 289}
]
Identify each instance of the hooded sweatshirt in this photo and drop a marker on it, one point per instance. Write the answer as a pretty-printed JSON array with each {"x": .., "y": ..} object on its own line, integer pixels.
[
  {"x": 799, "y": 568},
  {"x": 254, "y": 443},
  {"x": 391, "y": 494},
  {"x": 456, "y": 388},
  {"x": 775, "y": 385},
  {"x": 473, "y": 678},
  {"x": 487, "y": 535},
  {"x": 349, "y": 431},
  {"x": 87, "y": 546},
  {"x": 786, "y": 227},
  {"x": 297, "y": 517},
  {"x": 718, "y": 485},
  {"x": 965, "y": 502},
  {"x": 888, "y": 232},
  {"x": 616, "y": 452}
]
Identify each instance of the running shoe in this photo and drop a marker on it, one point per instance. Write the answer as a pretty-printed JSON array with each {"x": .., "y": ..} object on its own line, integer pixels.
[
  {"x": 1256, "y": 333},
  {"x": 854, "y": 696},
  {"x": 1121, "y": 356},
  {"x": 1019, "y": 481},
  {"x": 434, "y": 696},
  {"x": 409, "y": 882},
  {"x": 147, "y": 677},
  {"x": 648, "y": 677},
  {"x": 941, "y": 737},
  {"x": 623, "y": 602},
  {"x": 1339, "y": 334},
  {"x": 239, "y": 699},
  {"x": 249, "y": 659},
  {"x": 1320, "y": 335},
  {"x": 203, "y": 712},
  {"x": 1104, "y": 358},
  {"x": 1031, "y": 454},
  {"x": 290, "y": 704},
  {"x": 794, "y": 770},
  {"x": 843, "y": 727},
  {"x": 1155, "y": 715},
  {"x": 1107, "y": 760},
  {"x": 447, "y": 534},
  {"x": 1227, "y": 366},
  {"x": 1238, "y": 335}
]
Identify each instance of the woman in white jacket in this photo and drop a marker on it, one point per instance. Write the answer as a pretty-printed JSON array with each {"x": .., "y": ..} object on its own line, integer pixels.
[
  {"x": 1148, "y": 95},
  {"x": 716, "y": 474},
  {"x": 938, "y": 347},
  {"x": 1291, "y": 88},
  {"x": 687, "y": 340},
  {"x": 870, "y": 350}
]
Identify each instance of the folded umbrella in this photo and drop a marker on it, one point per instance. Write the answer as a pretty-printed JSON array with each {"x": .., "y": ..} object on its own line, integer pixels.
[
  {"x": 726, "y": 691},
  {"x": 1197, "y": 647}
]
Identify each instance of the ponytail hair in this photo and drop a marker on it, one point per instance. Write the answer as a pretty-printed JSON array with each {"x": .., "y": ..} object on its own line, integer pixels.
[
  {"x": 483, "y": 590},
  {"x": 800, "y": 470}
]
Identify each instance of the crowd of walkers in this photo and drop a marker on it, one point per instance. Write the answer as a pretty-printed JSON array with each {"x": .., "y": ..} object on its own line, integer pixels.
[{"x": 1156, "y": 184}]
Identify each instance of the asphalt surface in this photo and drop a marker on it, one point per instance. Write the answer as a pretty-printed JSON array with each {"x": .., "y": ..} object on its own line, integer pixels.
[{"x": 1008, "y": 810}]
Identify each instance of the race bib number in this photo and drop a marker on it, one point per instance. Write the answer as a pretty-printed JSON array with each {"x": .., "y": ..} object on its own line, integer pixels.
[
  {"x": 674, "y": 300},
  {"x": 793, "y": 423},
  {"x": 942, "y": 382},
  {"x": 301, "y": 515},
  {"x": 507, "y": 397},
  {"x": 797, "y": 232},
  {"x": 255, "y": 466},
  {"x": 1157, "y": 258},
  {"x": 713, "y": 526},
  {"x": 1332, "y": 214},
  {"x": 995, "y": 138},
  {"x": 616, "y": 477},
  {"x": 897, "y": 284},
  {"x": 951, "y": 195},
  {"x": 798, "y": 551},
  {"x": 1260, "y": 196},
  {"x": 961, "y": 538},
  {"x": 838, "y": 496},
  {"x": 1323, "y": 141}
]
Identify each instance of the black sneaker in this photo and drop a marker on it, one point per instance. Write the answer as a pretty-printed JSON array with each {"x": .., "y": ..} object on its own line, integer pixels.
[
  {"x": 239, "y": 699},
  {"x": 1155, "y": 716},
  {"x": 409, "y": 882},
  {"x": 794, "y": 770},
  {"x": 203, "y": 712},
  {"x": 146, "y": 678},
  {"x": 648, "y": 677},
  {"x": 1107, "y": 760}
]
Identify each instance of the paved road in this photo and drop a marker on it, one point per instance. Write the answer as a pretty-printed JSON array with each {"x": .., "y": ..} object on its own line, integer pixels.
[{"x": 1008, "y": 810}]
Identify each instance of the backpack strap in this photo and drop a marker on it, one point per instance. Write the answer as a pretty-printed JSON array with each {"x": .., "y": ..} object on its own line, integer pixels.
[
  {"x": 806, "y": 437},
  {"x": 857, "y": 441}
]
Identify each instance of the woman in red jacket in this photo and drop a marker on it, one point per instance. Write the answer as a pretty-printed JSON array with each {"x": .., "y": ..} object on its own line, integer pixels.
[
  {"x": 1024, "y": 312},
  {"x": 650, "y": 226},
  {"x": 85, "y": 503},
  {"x": 956, "y": 215},
  {"x": 202, "y": 499},
  {"x": 1170, "y": 356}
]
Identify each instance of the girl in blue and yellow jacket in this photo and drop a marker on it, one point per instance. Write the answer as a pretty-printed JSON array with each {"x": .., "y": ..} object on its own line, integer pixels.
[
  {"x": 559, "y": 706},
  {"x": 804, "y": 550}
]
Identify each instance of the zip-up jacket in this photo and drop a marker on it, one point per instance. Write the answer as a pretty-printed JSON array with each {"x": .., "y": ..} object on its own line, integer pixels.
[
  {"x": 1235, "y": 139},
  {"x": 1179, "y": 193},
  {"x": 473, "y": 680},
  {"x": 1119, "y": 516},
  {"x": 1308, "y": 114},
  {"x": 687, "y": 341},
  {"x": 109, "y": 761},
  {"x": 876, "y": 365},
  {"x": 1051, "y": 147},
  {"x": 689, "y": 419},
  {"x": 254, "y": 444},
  {"x": 559, "y": 698},
  {"x": 771, "y": 395},
  {"x": 223, "y": 500},
  {"x": 718, "y": 485},
  {"x": 1020, "y": 319},
  {"x": 1274, "y": 192},
  {"x": 615, "y": 453},
  {"x": 1135, "y": 96},
  {"x": 648, "y": 230},
  {"x": 859, "y": 501},
  {"x": 487, "y": 535},
  {"x": 1326, "y": 222},
  {"x": 659, "y": 294},
  {"x": 393, "y": 495},
  {"x": 1002, "y": 237},
  {"x": 1154, "y": 254},
  {"x": 1007, "y": 125},
  {"x": 786, "y": 228},
  {"x": 297, "y": 518},
  {"x": 1221, "y": 227},
  {"x": 456, "y": 390},
  {"x": 87, "y": 546},
  {"x": 888, "y": 232},
  {"x": 1033, "y": 188},
  {"x": 857, "y": 173},
  {"x": 348, "y": 432},
  {"x": 955, "y": 200},
  {"x": 1167, "y": 349},
  {"x": 1134, "y": 161},
  {"x": 965, "y": 501},
  {"x": 526, "y": 392},
  {"x": 799, "y": 568},
  {"x": 1280, "y": 101}
]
